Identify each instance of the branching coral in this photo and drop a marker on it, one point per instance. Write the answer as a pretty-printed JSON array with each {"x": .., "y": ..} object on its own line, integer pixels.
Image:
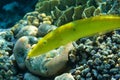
[{"x": 73, "y": 31}]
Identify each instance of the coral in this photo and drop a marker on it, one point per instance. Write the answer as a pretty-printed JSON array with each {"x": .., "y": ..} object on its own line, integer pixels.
[
  {"x": 6, "y": 45},
  {"x": 69, "y": 10}
]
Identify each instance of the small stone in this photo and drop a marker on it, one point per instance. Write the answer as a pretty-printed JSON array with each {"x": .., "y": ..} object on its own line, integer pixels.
[
  {"x": 110, "y": 56},
  {"x": 50, "y": 18},
  {"x": 92, "y": 52},
  {"x": 30, "y": 19},
  {"x": 44, "y": 28},
  {"x": 105, "y": 71},
  {"x": 114, "y": 70},
  {"x": 47, "y": 22},
  {"x": 80, "y": 68},
  {"x": 117, "y": 65},
  {"x": 43, "y": 15},
  {"x": 29, "y": 76},
  {"x": 97, "y": 55},
  {"x": 89, "y": 78},
  {"x": 111, "y": 62},
  {"x": 28, "y": 30},
  {"x": 117, "y": 76},
  {"x": 118, "y": 60},
  {"x": 40, "y": 18},
  {"x": 99, "y": 77},
  {"x": 45, "y": 65},
  {"x": 21, "y": 48},
  {"x": 65, "y": 76},
  {"x": 85, "y": 71},
  {"x": 107, "y": 66},
  {"x": 106, "y": 76},
  {"x": 72, "y": 57},
  {"x": 36, "y": 22},
  {"x": 82, "y": 78},
  {"x": 88, "y": 49},
  {"x": 94, "y": 72},
  {"x": 97, "y": 61},
  {"x": 77, "y": 72},
  {"x": 88, "y": 75},
  {"x": 45, "y": 19},
  {"x": 118, "y": 54},
  {"x": 90, "y": 62},
  {"x": 113, "y": 78},
  {"x": 78, "y": 77}
]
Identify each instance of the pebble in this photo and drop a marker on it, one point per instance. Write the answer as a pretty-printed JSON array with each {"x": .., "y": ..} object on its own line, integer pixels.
[
  {"x": 88, "y": 75},
  {"x": 65, "y": 76},
  {"x": 21, "y": 49},
  {"x": 44, "y": 28},
  {"x": 114, "y": 70},
  {"x": 107, "y": 66},
  {"x": 111, "y": 62},
  {"x": 90, "y": 62},
  {"x": 80, "y": 68},
  {"x": 36, "y": 22},
  {"x": 36, "y": 65},
  {"x": 89, "y": 78},
  {"x": 99, "y": 77},
  {"x": 95, "y": 72},
  {"x": 43, "y": 15},
  {"x": 72, "y": 57},
  {"x": 92, "y": 52},
  {"x": 28, "y": 30},
  {"x": 106, "y": 76},
  {"x": 29, "y": 76},
  {"x": 78, "y": 77},
  {"x": 117, "y": 76},
  {"x": 77, "y": 72},
  {"x": 85, "y": 71},
  {"x": 83, "y": 78},
  {"x": 97, "y": 55},
  {"x": 47, "y": 22},
  {"x": 97, "y": 61}
]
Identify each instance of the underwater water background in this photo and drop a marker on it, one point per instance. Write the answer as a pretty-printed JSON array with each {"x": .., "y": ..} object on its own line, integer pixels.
[
  {"x": 11, "y": 11},
  {"x": 24, "y": 22}
]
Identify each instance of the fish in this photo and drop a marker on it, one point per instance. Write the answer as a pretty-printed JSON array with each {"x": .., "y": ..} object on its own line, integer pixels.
[{"x": 73, "y": 31}]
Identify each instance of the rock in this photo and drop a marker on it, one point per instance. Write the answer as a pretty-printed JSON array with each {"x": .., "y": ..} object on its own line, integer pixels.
[
  {"x": 29, "y": 76},
  {"x": 21, "y": 49},
  {"x": 51, "y": 63},
  {"x": 28, "y": 30},
  {"x": 44, "y": 28},
  {"x": 65, "y": 76}
]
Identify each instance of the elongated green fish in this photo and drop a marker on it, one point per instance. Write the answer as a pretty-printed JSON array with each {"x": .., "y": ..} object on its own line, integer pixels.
[{"x": 73, "y": 31}]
